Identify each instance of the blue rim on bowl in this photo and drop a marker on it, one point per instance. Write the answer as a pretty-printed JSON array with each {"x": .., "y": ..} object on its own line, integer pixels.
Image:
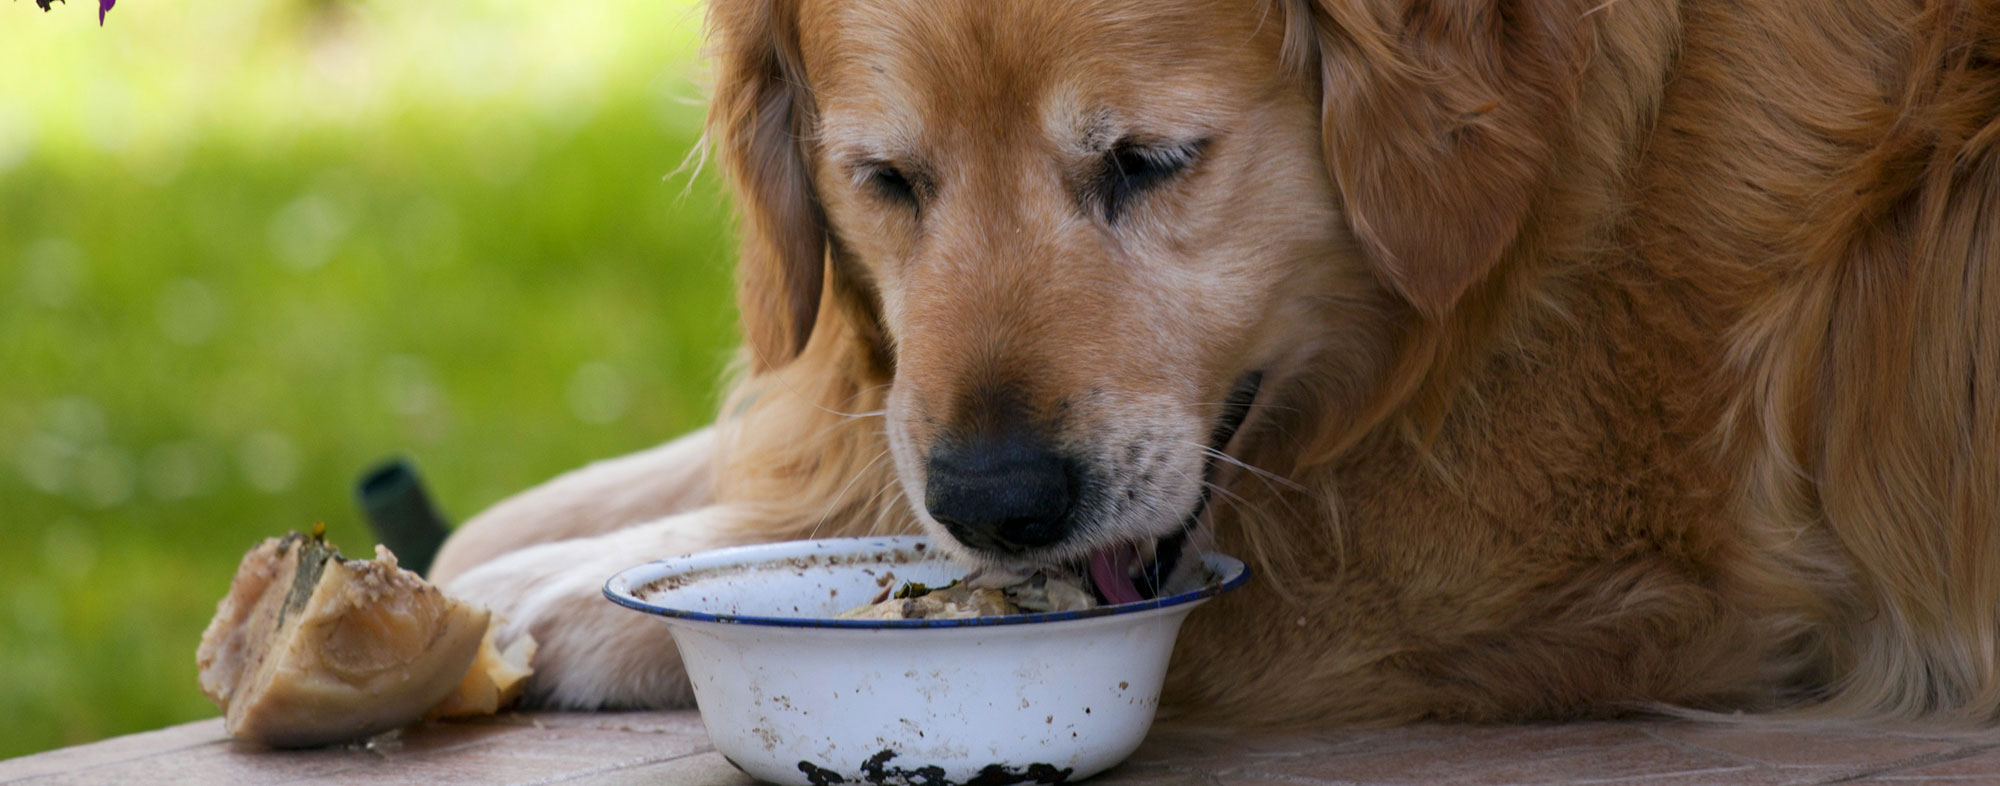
[{"x": 618, "y": 589}]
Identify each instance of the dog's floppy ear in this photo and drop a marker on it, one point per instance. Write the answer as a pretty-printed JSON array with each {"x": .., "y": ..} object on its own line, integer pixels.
[
  {"x": 759, "y": 117},
  {"x": 1439, "y": 118}
]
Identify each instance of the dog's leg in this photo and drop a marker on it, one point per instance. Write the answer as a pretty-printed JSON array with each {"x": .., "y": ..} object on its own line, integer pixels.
[
  {"x": 598, "y": 498},
  {"x": 593, "y": 654}
]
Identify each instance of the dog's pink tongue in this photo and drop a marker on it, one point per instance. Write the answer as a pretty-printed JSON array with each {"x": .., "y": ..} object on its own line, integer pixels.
[{"x": 1111, "y": 571}]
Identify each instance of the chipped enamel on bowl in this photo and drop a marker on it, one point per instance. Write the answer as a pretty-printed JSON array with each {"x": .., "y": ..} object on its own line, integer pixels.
[{"x": 791, "y": 695}]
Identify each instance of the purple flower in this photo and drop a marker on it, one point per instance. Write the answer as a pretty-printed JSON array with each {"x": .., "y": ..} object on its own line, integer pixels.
[{"x": 103, "y": 7}]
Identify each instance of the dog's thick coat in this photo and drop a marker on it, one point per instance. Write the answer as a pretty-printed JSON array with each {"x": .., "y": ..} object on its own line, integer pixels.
[{"x": 1615, "y": 353}]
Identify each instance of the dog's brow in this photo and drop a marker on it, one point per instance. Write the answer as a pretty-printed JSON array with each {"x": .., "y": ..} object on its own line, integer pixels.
[
  {"x": 1073, "y": 123},
  {"x": 1084, "y": 128},
  {"x": 854, "y": 138}
]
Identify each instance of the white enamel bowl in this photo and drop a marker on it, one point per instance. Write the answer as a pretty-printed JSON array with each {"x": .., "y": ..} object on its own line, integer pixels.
[{"x": 792, "y": 695}]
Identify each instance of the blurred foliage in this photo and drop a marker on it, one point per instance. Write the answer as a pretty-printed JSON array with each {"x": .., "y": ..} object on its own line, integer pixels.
[{"x": 247, "y": 249}]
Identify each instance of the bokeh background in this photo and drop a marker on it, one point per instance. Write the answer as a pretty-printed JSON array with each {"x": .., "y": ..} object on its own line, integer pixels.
[{"x": 249, "y": 247}]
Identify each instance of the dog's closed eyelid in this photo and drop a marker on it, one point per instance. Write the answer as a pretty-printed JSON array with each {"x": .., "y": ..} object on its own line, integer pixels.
[
  {"x": 1130, "y": 169},
  {"x": 902, "y": 184}
]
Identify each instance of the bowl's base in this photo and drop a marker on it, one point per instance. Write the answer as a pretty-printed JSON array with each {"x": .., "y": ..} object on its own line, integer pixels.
[{"x": 885, "y": 768}]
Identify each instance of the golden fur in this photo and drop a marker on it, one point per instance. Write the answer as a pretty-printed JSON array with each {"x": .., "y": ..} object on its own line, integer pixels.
[{"x": 1617, "y": 354}]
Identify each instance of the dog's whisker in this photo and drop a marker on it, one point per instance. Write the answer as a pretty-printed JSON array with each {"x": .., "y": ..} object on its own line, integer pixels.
[
  {"x": 1226, "y": 495},
  {"x": 858, "y": 475},
  {"x": 859, "y": 394},
  {"x": 897, "y": 499},
  {"x": 1283, "y": 501},
  {"x": 1266, "y": 475},
  {"x": 788, "y": 388},
  {"x": 848, "y": 417},
  {"x": 1599, "y": 7},
  {"x": 882, "y": 512},
  {"x": 1255, "y": 471}
]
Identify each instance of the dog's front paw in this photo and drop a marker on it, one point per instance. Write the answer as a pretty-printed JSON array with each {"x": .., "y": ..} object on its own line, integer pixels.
[{"x": 591, "y": 654}]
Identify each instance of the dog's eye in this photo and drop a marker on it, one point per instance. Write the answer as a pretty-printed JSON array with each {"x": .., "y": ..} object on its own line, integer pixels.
[
  {"x": 890, "y": 182},
  {"x": 1131, "y": 169}
]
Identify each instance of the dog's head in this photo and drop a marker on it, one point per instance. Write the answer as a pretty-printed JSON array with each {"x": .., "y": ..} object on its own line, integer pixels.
[{"x": 1089, "y": 233}]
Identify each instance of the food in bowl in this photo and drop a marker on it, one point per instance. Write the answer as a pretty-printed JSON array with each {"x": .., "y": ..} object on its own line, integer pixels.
[
  {"x": 1113, "y": 576},
  {"x": 980, "y": 594},
  {"x": 792, "y": 693}
]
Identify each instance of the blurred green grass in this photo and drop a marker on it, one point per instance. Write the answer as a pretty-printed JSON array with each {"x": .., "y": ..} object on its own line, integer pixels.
[{"x": 246, "y": 249}]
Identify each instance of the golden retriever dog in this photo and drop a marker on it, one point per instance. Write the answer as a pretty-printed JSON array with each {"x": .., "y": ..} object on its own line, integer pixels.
[{"x": 1545, "y": 358}]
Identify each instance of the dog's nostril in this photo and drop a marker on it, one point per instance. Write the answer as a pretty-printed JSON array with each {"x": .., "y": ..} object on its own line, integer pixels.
[{"x": 1000, "y": 494}]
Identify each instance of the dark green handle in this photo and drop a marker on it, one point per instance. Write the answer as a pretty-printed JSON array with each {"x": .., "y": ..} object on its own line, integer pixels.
[{"x": 392, "y": 496}]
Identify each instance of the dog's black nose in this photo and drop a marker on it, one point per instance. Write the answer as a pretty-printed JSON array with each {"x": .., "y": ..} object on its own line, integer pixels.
[{"x": 1008, "y": 493}]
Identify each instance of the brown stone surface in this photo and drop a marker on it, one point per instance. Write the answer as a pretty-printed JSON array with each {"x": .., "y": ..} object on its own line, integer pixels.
[{"x": 628, "y": 749}]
